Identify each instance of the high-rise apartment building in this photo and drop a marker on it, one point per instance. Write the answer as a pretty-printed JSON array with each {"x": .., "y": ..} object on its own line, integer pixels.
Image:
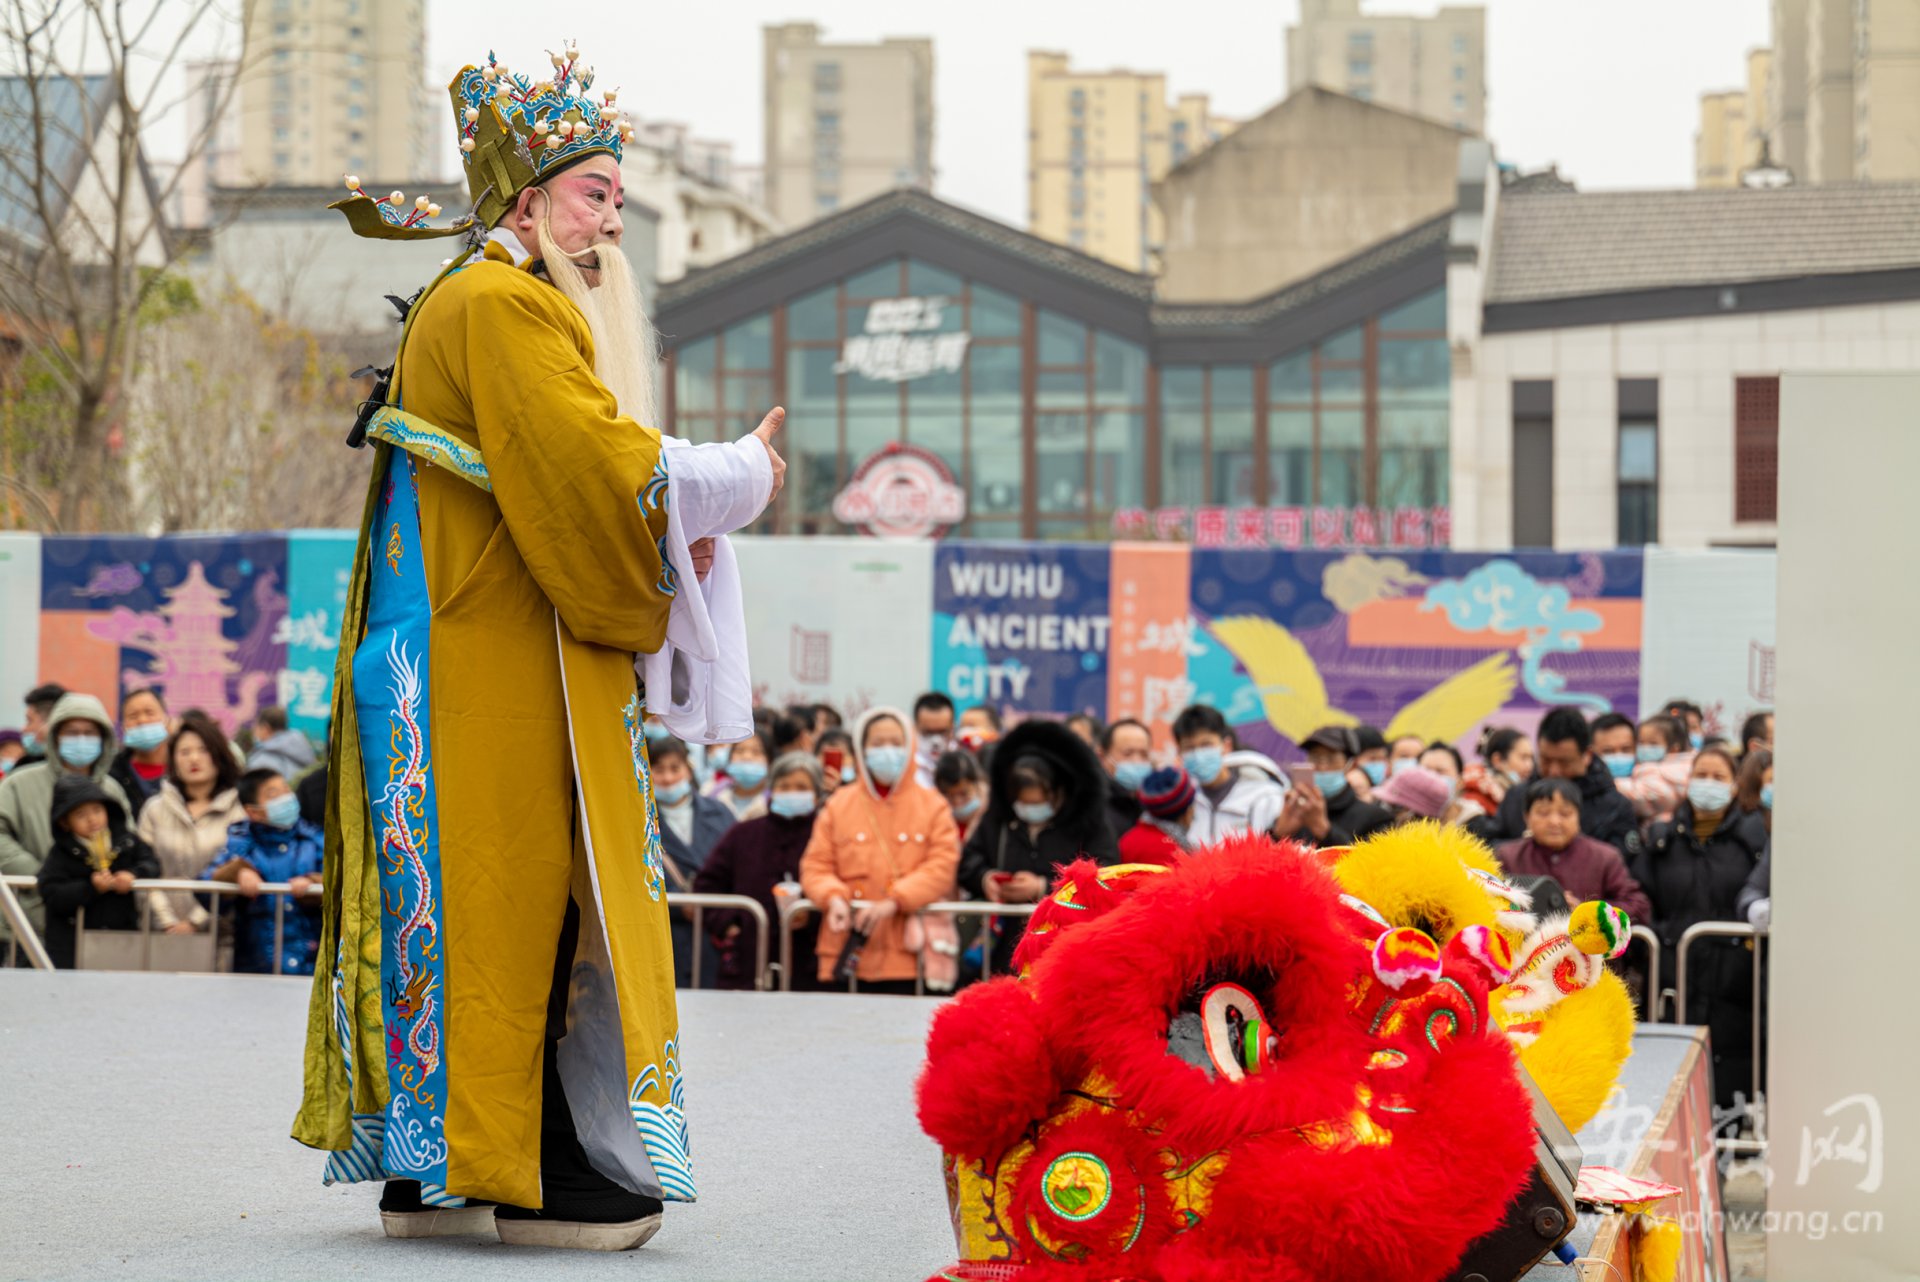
[
  {"x": 1843, "y": 98},
  {"x": 1434, "y": 67},
  {"x": 844, "y": 121},
  {"x": 336, "y": 86},
  {"x": 1733, "y": 126},
  {"x": 1097, "y": 141}
]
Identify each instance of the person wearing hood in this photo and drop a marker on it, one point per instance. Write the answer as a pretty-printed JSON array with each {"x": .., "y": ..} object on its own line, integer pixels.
[
  {"x": 1327, "y": 811},
  {"x": 755, "y": 856},
  {"x": 142, "y": 763},
  {"x": 284, "y": 751},
  {"x": 1046, "y": 807},
  {"x": 81, "y": 743},
  {"x": 91, "y": 868},
  {"x": 883, "y": 848},
  {"x": 1238, "y": 791},
  {"x": 1566, "y": 752}
]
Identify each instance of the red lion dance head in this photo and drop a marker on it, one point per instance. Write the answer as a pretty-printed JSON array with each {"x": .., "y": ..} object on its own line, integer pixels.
[{"x": 1222, "y": 1070}]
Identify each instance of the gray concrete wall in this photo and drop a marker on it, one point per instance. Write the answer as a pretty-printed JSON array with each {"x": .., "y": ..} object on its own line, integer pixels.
[{"x": 1313, "y": 181}]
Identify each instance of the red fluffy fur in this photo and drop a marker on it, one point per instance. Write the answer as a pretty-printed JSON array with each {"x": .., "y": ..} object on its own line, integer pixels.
[{"x": 1099, "y": 996}]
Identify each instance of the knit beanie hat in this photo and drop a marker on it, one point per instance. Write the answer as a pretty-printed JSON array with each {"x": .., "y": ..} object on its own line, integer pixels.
[{"x": 1167, "y": 793}]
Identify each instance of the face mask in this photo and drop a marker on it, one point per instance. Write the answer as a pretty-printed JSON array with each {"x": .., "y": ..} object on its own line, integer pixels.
[
  {"x": 1709, "y": 796},
  {"x": 6, "y": 767},
  {"x": 1033, "y": 813},
  {"x": 848, "y": 774},
  {"x": 146, "y": 738},
  {"x": 1766, "y": 796},
  {"x": 1204, "y": 764},
  {"x": 887, "y": 764},
  {"x": 968, "y": 809},
  {"x": 283, "y": 811},
  {"x": 748, "y": 775},
  {"x": 1650, "y": 753},
  {"x": 1329, "y": 781},
  {"x": 30, "y": 741},
  {"x": 1619, "y": 764},
  {"x": 1376, "y": 772},
  {"x": 1697, "y": 739},
  {"x": 933, "y": 746},
  {"x": 654, "y": 731},
  {"x": 80, "y": 750},
  {"x": 672, "y": 794},
  {"x": 717, "y": 758},
  {"x": 791, "y": 805},
  {"x": 1131, "y": 774}
]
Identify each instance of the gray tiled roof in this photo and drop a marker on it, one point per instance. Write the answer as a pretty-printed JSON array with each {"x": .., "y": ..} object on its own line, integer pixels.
[
  {"x": 892, "y": 204},
  {"x": 1571, "y": 244}
]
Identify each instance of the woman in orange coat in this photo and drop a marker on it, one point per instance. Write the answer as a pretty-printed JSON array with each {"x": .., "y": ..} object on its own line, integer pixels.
[{"x": 882, "y": 849}]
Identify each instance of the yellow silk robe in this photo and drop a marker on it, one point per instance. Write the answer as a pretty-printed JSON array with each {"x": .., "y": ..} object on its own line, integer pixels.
[{"x": 540, "y": 537}]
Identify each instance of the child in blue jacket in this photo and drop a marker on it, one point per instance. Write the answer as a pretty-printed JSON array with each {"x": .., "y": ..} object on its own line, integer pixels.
[{"x": 274, "y": 845}]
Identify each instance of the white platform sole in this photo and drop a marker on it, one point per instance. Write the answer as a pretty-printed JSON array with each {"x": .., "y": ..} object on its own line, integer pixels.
[
  {"x": 438, "y": 1221},
  {"x": 579, "y": 1237}
]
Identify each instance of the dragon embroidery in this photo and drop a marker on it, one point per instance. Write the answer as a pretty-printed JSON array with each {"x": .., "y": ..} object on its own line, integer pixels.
[{"x": 412, "y": 988}]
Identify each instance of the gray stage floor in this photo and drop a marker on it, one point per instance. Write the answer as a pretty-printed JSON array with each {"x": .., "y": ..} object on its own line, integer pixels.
[
  {"x": 145, "y": 1121},
  {"x": 144, "y": 1135}
]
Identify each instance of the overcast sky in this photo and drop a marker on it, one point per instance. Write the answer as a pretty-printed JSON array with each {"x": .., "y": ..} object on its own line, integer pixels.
[{"x": 1608, "y": 89}]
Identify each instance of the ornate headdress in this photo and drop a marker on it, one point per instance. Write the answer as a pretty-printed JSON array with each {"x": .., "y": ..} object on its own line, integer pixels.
[{"x": 514, "y": 132}]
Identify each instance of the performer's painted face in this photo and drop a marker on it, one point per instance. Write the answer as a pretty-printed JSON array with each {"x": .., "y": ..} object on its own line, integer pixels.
[{"x": 581, "y": 207}]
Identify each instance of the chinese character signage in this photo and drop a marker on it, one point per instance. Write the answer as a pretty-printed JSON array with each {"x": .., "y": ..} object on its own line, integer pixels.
[
  {"x": 1288, "y": 528},
  {"x": 902, "y": 492},
  {"x": 902, "y": 342}
]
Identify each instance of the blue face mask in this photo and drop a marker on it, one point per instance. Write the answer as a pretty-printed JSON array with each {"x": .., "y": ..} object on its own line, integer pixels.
[
  {"x": 30, "y": 741},
  {"x": 1329, "y": 781},
  {"x": 655, "y": 732},
  {"x": 791, "y": 805},
  {"x": 848, "y": 774},
  {"x": 1766, "y": 796},
  {"x": 1619, "y": 764},
  {"x": 1204, "y": 764},
  {"x": 1709, "y": 796},
  {"x": 1650, "y": 754},
  {"x": 968, "y": 809},
  {"x": 1699, "y": 740},
  {"x": 1376, "y": 772},
  {"x": 80, "y": 749},
  {"x": 887, "y": 764},
  {"x": 146, "y": 738},
  {"x": 748, "y": 775},
  {"x": 283, "y": 811},
  {"x": 1033, "y": 813},
  {"x": 672, "y": 794},
  {"x": 1131, "y": 774}
]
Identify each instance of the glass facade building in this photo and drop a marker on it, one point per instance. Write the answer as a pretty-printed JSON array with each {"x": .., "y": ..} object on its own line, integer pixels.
[{"x": 1064, "y": 402}]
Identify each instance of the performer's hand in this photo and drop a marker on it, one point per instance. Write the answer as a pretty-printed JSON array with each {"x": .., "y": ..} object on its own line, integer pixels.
[
  {"x": 839, "y": 916},
  {"x": 701, "y": 550},
  {"x": 874, "y": 913},
  {"x": 250, "y": 883},
  {"x": 768, "y": 426}
]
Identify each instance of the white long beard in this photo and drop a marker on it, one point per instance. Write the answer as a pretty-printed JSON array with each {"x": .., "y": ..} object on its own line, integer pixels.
[{"x": 626, "y": 349}]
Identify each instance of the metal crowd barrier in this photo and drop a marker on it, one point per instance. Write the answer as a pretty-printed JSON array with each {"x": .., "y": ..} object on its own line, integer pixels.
[
  {"x": 1730, "y": 930},
  {"x": 699, "y": 902},
  {"x": 951, "y": 908},
  {"x": 1656, "y": 997},
  {"x": 279, "y": 889},
  {"x": 37, "y": 954}
]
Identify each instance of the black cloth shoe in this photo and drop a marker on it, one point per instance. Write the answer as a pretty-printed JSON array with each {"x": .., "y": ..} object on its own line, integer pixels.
[{"x": 403, "y": 1214}]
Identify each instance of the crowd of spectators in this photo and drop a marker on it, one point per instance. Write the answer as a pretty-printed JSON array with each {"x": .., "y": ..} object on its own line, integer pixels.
[{"x": 905, "y": 808}]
